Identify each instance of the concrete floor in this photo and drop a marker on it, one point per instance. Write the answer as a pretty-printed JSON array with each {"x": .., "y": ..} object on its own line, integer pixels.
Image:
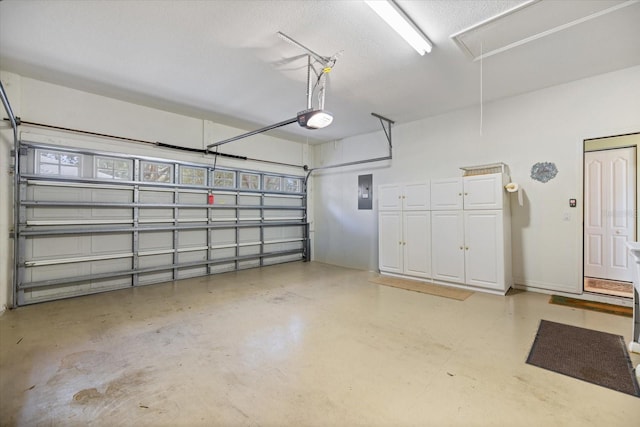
[{"x": 294, "y": 344}]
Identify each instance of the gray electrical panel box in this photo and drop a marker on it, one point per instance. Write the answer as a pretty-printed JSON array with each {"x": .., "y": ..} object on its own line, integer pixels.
[{"x": 365, "y": 191}]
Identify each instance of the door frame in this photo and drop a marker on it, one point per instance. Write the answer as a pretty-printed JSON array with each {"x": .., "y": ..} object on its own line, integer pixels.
[{"x": 608, "y": 143}]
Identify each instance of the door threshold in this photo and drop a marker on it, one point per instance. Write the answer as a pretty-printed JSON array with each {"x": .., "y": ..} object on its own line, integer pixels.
[{"x": 608, "y": 287}]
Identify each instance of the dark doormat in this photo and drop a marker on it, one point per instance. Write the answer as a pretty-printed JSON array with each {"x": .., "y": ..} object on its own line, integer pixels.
[
  {"x": 591, "y": 305},
  {"x": 596, "y": 357}
]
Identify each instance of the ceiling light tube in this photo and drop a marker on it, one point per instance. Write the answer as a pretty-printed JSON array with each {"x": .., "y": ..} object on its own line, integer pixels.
[{"x": 402, "y": 24}]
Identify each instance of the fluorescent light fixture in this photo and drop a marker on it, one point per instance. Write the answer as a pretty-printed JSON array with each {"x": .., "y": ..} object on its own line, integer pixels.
[
  {"x": 402, "y": 24},
  {"x": 314, "y": 119}
]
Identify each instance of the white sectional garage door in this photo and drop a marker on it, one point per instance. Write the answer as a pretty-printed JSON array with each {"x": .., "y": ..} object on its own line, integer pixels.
[{"x": 92, "y": 222}]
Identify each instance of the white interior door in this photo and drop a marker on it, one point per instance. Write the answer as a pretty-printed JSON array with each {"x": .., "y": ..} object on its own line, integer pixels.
[{"x": 610, "y": 192}]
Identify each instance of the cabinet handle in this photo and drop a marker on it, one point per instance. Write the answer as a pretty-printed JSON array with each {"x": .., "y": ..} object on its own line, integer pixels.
[
  {"x": 404, "y": 243},
  {"x": 459, "y": 194},
  {"x": 461, "y": 248},
  {"x": 467, "y": 247},
  {"x": 399, "y": 243},
  {"x": 466, "y": 194}
]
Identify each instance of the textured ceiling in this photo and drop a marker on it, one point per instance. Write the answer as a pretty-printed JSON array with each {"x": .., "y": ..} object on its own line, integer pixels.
[{"x": 222, "y": 60}]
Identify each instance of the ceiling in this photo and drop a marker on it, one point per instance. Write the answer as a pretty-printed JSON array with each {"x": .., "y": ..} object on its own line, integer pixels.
[{"x": 222, "y": 60}]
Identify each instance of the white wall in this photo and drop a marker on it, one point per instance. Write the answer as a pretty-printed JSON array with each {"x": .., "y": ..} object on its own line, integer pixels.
[
  {"x": 546, "y": 125},
  {"x": 41, "y": 102}
]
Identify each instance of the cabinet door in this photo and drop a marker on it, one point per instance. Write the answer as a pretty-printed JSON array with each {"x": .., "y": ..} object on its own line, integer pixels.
[
  {"x": 447, "y": 245},
  {"x": 417, "y": 243},
  {"x": 483, "y": 191},
  {"x": 484, "y": 248},
  {"x": 389, "y": 197},
  {"x": 416, "y": 196},
  {"x": 446, "y": 194},
  {"x": 390, "y": 241}
]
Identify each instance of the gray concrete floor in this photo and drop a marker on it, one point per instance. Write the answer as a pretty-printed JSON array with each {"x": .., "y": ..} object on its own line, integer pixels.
[{"x": 294, "y": 344}]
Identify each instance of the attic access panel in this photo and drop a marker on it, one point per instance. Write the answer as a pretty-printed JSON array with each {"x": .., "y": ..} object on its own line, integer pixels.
[{"x": 527, "y": 22}]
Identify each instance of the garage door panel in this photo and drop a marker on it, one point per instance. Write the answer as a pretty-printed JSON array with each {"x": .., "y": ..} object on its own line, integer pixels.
[
  {"x": 56, "y": 213},
  {"x": 192, "y": 238},
  {"x": 185, "y": 273},
  {"x": 223, "y": 236},
  {"x": 218, "y": 254},
  {"x": 248, "y": 199},
  {"x": 57, "y": 194},
  {"x": 111, "y": 195},
  {"x": 222, "y": 268},
  {"x": 55, "y": 247},
  {"x": 220, "y": 215},
  {"x": 200, "y": 214},
  {"x": 111, "y": 243},
  {"x": 193, "y": 198},
  {"x": 155, "y": 277},
  {"x": 110, "y": 265},
  {"x": 110, "y": 284},
  {"x": 56, "y": 292},
  {"x": 250, "y": 214},
  {"x": 249, "y": 235},
  {"x": 282, "y": 201},
  {"x": 155, "y": 213},
  {"x": 281, "y": 259},
  {"x": 54, "y": 272},
  {"x": 155, "y": 240},
  {"x": 149, "y": 261},
  {"x": 249, "y": 264},
  {"x": 109, "y": 213},
  {"x": 152, "y": 196},
  {"x": 192, "y": 256},
  {"x": 249, "y": 250}
]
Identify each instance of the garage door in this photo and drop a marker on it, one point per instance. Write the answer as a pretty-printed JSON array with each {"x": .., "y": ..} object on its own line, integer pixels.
[{"x": 97, "y": 221}]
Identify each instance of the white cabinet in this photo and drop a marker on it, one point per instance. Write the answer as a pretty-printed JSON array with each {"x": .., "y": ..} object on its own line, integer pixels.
[
  {"x": 404, "y": 229},
  {"x": 446, "y": 194},
  {"x": 415, "y": 197},
  {"x": 484, "y": 254},
  {"x": 460, "y": 237},
  {"x": 447, "y": 244},
  {"x": 469, "y": 192},
  {"x": 470, "y": 241},
  {"x": 468, "y": 247},
  {"x": 404, "y": 242},
  {"x": 390, "y": 241},
  {"x": 483, "y": 191}
]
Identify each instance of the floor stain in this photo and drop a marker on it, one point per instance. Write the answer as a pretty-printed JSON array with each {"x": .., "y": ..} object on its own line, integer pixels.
[{"x": 87, "y": 394}]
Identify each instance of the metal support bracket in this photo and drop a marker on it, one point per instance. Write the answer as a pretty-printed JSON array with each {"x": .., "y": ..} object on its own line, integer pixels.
[{"x": 387, "y": 130}]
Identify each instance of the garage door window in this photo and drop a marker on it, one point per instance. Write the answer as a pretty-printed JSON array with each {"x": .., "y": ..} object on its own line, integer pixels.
[
  {"x": 193, "y": 176},
  {"x": 224, "y": 179},
  {"x": 272, "y": 183},
  {"x": 113, "y": 168},
  {"x": 250, "y": 181},
  {"x": 157, "y": 172},
  {"x": 292, "y": 185},
  {"x": 58, "y": 163}
]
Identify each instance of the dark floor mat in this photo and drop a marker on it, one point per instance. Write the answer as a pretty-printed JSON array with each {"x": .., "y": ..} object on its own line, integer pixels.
[{"x": 596, "y": 357}]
